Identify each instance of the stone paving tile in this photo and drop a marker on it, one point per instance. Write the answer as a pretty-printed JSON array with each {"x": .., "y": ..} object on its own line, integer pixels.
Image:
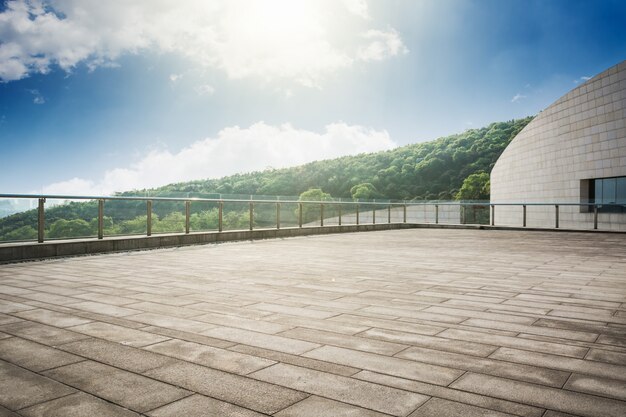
[
  {"x": 41, "y": 333},
  {"x": 212, "y": 357},
  {"x": 562, "y": 363},
  {"x": 22, "y": 388},
  {"x": 599, "y": 386},
  {"x": 119, "y": 334},
  {"x": 542, "y": 331},
  {"x": 115, "y": 354},
  {"x": 509, "y": 318},
  {"x": 105, "y": 298},
  {"x": 350, "y": 342},
  {"x": 328, "y": 325},
  {"x": 452, "y": 394},
  {"x": 174, "y": 323},
  {"x": 529, "y": 306},
  {"x": 389, "y": 365},
  {"x": 322, "y": 407},
  {"x": 127, "y": 389},
  {"x": 601, "y": 355},
  {"x": 304, "y": 362},
  {"x": 174, "y": 311},
  {"x": 527, "y": 373},
  {"x": 399, "y": 312},
  {"x": 437, "y": 407},
  {"x": 265, "y": 341},
  {"x": 201, "y": 406},
  {"x": 245, "y": 392},
  {"x": 363, "y": 394},
  {"x": 516, "y": 342},
  {"x": 190, "y": 337},
  {"x": 108, "y": 309},
  {"x": 7, "y": 413},
  {"x": 6, "y": 319},
  {"x": 293, "y": 311},
  {"x": 12, "y": 307},
  {"x": 33, "y": 356},
  {"x": 441, "y": 343},
  {"x": 258, "y": 325},
  {"x": 77, "y": 405},
  {"x": 550, "y": 398},
  {"x": 388, "y": 324},
  {"x": 51, "y": 318}
]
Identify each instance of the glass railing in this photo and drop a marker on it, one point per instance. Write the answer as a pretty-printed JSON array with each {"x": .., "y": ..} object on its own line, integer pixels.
[{"x": 48, "y": 217}]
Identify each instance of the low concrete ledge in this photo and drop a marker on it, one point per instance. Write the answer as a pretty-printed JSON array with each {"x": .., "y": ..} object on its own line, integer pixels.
[{"x": 23, "y": 251}]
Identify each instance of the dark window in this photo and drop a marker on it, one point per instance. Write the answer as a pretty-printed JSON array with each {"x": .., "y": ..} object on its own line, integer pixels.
[{"x": 610, "y": 193}]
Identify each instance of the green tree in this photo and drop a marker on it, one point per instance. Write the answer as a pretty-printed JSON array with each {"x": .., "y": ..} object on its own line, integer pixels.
[
  {"x": 70, "y": 228},
  {"x": 475, "y": 187},
  {"x": 22, "y": 233},
  {"x": 364, "y": 191},
  {"x": 311, "y": 212}
]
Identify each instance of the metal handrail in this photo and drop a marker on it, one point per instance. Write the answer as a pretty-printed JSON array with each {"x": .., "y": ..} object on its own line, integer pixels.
[{"x": 358, "y": 204}]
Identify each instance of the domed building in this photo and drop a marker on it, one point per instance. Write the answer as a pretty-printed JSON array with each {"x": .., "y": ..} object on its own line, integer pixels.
[{"x": 573, "y": 152}]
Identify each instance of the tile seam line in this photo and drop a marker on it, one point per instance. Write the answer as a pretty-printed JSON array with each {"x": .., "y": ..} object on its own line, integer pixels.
[
  {"x": 538, "y": 385},
  {"x": 76, "y": 390},
  {"x": 458, "y": 390}
]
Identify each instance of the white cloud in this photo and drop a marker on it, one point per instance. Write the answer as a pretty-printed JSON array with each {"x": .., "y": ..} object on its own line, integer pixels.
[
  {"x": 357, "y": 7},
  {"x": 175, "y": 77},
  {"x": 517, "y": 97},
  {"x": 271, "y": 40},
  {"x": 37, "y": 97},
  {"x": 381, "y": 45},
  {"x": 233, "y": 150},
  {"x": 205, "y": 89},
  {"x": 582, "y": 79}
]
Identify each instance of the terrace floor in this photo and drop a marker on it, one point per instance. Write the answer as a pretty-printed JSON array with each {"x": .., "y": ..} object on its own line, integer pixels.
[{"x": 406, "y": 323}]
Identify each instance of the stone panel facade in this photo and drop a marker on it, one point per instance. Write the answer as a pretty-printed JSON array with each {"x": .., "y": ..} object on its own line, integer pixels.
[{"x": 582, "y": 136}]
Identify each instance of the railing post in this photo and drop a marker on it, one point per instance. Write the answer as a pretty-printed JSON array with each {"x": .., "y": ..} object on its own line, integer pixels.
[
  {"x": 339, "y": 221},
  {"x": 300, "y": 215},
  {"x": 148, "y": 217},
  {"x": 436, "y": 213},
  {"x": 389, "y": 214},
  {"x": 100, "y": 219},
  {"x": 357, "y": 214},
  {"x": 220, "y": 216},
  {"x": 277, "y": 216},
  {"x": 374, "y": 214},
  {"x": 524, "y": 219},
  {"x": 493, "y": 215},
  {"x": 322, "y": 214},
  {"x": 595, "y": 216},
  {"x": 556, "y": 216},
  {"x": 404, "y": 214},
  {"x": 41, "y": 220},
  {"x": 251, "y": 215},
  {"x": 187, "y": 216}
]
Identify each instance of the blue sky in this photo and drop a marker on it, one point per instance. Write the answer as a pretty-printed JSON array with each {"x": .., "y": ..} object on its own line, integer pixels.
[{"x": 98, "y": 97}]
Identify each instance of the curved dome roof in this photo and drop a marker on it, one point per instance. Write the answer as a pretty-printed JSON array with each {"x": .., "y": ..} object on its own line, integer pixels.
[{"x": 580, "y": 136}]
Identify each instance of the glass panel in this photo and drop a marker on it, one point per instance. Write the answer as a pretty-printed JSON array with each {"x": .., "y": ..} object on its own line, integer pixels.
[
  {"x": 18, "y": 219},
  {"x": 608, "y": 191},
  {"x": 621, "y": 190},
  {"x": 597, "y": 196}
]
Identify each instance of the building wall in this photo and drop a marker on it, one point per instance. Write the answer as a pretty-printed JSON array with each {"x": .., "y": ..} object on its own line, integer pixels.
[{"x": 579, "y": 137}]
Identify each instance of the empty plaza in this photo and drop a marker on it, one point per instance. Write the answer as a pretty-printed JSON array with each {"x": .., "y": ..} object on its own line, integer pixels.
[{"x": 418, "y": 322}]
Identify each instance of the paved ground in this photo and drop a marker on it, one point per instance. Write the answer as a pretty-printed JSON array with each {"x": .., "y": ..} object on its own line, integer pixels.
[{"x": 403, "y": 323}]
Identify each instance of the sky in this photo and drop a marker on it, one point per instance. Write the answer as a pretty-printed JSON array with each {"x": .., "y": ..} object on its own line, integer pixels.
[{"x": 104, "y": 96}]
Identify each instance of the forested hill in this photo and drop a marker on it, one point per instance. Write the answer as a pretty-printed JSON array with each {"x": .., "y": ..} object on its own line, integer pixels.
[{"x": 429, "y": 170}]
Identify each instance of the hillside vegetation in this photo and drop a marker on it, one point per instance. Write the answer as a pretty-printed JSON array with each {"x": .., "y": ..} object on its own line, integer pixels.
[{"x": 422, "y": 171}]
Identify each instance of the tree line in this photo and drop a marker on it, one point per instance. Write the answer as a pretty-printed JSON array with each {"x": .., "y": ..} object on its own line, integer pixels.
[{"x": 455, "y": 166}]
